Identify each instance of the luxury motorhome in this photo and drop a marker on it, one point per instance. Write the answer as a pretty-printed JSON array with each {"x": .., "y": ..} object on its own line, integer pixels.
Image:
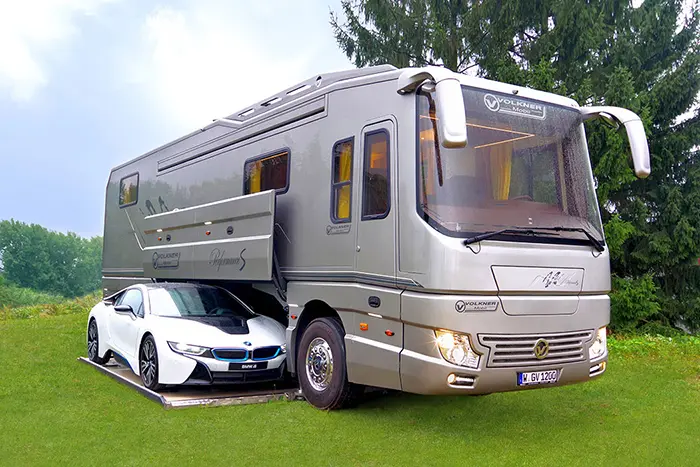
[{"x": 414, "y": 229}]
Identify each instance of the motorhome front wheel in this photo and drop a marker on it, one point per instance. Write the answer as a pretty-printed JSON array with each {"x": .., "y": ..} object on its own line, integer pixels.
[{"x": 321, "y": 366}]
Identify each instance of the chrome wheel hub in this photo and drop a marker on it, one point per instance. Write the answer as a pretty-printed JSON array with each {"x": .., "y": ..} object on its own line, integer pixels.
[{"x": 319, "y": 364}]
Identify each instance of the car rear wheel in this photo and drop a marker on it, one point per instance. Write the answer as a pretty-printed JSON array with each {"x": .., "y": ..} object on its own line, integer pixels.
[
  {"x": 93, "y": 344},
  {"x": 321, "y": 366},
  {"x": 148, "y": 363}
]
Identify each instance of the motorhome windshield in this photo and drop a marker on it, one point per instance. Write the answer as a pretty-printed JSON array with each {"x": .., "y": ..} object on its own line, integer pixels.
[{"x": 525, "y": 166}]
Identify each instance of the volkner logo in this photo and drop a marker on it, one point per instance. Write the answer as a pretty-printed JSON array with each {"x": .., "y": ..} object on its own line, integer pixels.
[
  {"x": 475, "y": 305},
  {"x": 508, "y": 105},
  {"x": 217, "y": 258},
  {"x": 541, "y": 349},
  {"x": 491, "y": 102},
  {"x": 166, "y": 260}
]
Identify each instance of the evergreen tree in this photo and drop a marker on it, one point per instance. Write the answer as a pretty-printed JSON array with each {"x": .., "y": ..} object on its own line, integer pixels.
[{"x": 599, "y": 52}]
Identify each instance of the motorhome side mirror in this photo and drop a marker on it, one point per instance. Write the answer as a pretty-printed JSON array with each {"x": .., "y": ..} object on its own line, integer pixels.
[
  {"x": 635, "y": 134},
  {"x": 451, "y": 117},
  {"x": 124, "y": 310}
]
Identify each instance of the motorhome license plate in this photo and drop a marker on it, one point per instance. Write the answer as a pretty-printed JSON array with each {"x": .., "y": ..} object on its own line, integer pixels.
[{"x": 538, "y": 377}]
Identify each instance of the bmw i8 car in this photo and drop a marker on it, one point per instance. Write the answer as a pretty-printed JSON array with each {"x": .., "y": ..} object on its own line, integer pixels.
[{"x": 172, "y": 334}]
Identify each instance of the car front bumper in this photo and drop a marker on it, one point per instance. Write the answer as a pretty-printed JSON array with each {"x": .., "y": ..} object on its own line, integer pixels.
[{"x": 212, "y": 371}]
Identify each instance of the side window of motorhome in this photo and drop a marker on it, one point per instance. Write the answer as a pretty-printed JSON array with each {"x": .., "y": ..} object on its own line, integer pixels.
[
  {"x": 267, "y": 172},
  {"x": 129, "y": 190},
  {"x": 341, "y": 185},
  {"x": 375, "y": 190}
]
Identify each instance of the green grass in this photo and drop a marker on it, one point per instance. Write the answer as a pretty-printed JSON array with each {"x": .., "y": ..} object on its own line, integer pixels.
[
  {"x": 13, "y": 296},
  {"x": 32, "y": 304},
  {"x": 56, "y": 411}
]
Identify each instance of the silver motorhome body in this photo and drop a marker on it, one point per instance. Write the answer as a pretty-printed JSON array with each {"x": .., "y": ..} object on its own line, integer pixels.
[{"x": 350, "y": 197}]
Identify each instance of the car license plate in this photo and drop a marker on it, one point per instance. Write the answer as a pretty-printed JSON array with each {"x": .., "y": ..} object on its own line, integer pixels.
[
  {"x": 247, "y": 366},
  {"x": 538, "y": 377}
]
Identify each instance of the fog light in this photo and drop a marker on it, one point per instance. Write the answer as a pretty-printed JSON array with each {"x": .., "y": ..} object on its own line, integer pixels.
[
  {"x": 597, "y": 369},
  {"x": 456, "y": 380},
  {"x": 457, "y": 349},
  {"x": 599, "y": 345}
]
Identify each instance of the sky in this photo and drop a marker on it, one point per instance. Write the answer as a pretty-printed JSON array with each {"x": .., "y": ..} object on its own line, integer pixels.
[{"x": 88, "y": 84}]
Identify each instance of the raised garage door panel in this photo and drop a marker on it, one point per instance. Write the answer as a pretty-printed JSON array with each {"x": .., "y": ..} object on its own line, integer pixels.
[{"x": 239, "y": 245}]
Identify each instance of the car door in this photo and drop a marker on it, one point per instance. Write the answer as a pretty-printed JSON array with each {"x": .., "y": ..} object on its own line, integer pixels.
[{"x": 124, "y": 327}]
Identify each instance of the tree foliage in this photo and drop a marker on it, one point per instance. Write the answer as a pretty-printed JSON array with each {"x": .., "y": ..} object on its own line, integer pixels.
[
  {"x": 34, "y": 257},
  {"x": 599, "y": 52}
]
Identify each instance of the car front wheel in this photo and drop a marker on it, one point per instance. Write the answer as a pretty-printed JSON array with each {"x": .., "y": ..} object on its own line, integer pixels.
[
  {"x": 148, "y": 363},
  {"x": 321, "y": 366},
  {"x": 93, "y": 344}
]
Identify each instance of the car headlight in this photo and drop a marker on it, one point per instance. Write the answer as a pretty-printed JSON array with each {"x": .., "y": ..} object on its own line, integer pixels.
[
  {"x": 187, "y": 349},
  {"x": 457, "y": 349},
  {"x": 599, "y": 345}
]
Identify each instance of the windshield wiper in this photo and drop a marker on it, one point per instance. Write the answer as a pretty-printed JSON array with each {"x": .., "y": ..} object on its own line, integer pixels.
[{"x": 597, "y": 244}]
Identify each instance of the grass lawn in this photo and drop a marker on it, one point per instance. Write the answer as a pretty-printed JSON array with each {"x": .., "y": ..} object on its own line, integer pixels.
[{"x": 56, "y": 411}]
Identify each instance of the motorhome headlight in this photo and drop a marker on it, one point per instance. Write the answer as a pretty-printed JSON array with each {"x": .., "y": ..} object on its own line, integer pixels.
[
  {"x": 456, "y": 348},
  {"x": 599, "y": 345},
  {"x": 187, "y": 349}
]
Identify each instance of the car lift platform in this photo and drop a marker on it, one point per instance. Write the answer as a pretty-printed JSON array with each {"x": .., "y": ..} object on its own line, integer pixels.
[{"x": 189, "y": 396}]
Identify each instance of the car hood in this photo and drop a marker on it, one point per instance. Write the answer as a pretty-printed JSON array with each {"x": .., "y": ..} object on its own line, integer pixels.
[{"x": 262, "y": 331}]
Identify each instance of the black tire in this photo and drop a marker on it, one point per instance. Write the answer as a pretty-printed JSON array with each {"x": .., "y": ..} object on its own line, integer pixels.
[
  {"x": 148, "y": 364},
  {"x": 93, "y": 344},
  {"x": 322, "y": 342}
]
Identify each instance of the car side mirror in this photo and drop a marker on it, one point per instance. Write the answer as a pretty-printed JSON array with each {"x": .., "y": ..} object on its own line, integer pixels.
[{"x": 124, "y": 310}]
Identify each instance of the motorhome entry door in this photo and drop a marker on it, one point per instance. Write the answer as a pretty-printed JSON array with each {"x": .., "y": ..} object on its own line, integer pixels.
[{"x": 376, "y": 209}]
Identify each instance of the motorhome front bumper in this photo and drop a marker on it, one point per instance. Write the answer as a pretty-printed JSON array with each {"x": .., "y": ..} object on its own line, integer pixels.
[{"x": 423, "y": 374}]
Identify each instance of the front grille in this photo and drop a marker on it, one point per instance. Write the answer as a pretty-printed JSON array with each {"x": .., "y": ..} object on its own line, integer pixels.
[
  {"x": 509, "y": 350},
  {"x": 230, "y": 354},
  {"x": 266, "y": 353}
]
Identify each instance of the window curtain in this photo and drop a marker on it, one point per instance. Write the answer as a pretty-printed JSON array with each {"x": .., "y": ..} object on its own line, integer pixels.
[
  {"x": 343, "y": 208},
  {"x": 501, "y": 165},
  {"x": 255, "y": 177}
]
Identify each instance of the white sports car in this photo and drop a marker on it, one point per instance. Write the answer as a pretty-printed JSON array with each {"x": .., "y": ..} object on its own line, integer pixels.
[{"x": 186, "y": 334}]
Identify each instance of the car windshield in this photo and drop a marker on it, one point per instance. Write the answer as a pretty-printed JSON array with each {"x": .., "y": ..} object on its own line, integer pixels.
[
  {"x": 525, "y": 166},
  {"x": 196, "y": 302}
]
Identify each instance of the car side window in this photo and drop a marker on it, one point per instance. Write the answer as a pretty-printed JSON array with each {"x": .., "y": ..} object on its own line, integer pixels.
[
  {"x": 133, "y": 298},
  {"x": 118, "y": 300}
]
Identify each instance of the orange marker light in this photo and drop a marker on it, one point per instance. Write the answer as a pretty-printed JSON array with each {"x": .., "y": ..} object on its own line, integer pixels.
[
  {"x": 364, "y": 327},
  {"x": 389, "y": 332},
  {"x": 208, "y": 232},
  {"x": 294, "y": 316},
  {"x": 160, "y": 238}
]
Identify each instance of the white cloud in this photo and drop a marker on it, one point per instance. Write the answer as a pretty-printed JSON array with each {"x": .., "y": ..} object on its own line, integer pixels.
[
  {"x": 210, "y": 59},
  {"x": 29, "y": 32}
]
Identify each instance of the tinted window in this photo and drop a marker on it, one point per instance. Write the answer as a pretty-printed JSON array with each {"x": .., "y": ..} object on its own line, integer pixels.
[
  {"x": 341, "y": 185},
  {"x": 134, "y": 299},
  {"x": 266, "y": 173},
  {"x": 129, "y": 190},
  {"x": 196, "y": 301},
  {"x": 375, "y": 190}
]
